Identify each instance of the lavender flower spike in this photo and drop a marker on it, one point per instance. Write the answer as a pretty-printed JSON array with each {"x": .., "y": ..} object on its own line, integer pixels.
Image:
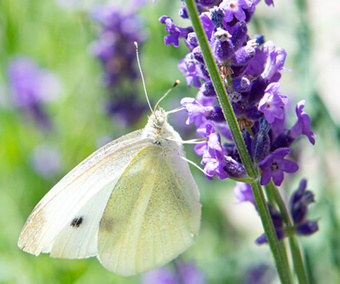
[{"x": 31, "y": 87}]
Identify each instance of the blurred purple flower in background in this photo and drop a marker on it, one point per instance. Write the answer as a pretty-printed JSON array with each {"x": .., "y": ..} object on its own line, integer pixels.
[
  {"x": 120, "y": 27},
  {"x": 46, "y": 160},
  {"x": 258, "y": 274},
  {"x": 299, "y": 202},
  {"x": 31, "y": 87},
  {"x": 184, "y": 273}
]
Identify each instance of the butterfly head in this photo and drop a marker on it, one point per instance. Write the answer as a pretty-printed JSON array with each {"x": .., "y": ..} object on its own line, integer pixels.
[{"x": 158, "y": 118}]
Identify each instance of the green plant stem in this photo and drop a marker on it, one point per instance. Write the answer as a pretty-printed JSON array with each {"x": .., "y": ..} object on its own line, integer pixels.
[
  {"x": 293, "y": 243},
  {"x": 282, "y": 267}
]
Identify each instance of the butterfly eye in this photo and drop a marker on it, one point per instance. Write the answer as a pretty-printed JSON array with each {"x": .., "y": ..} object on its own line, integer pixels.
[{"x": 159, "y": 121}]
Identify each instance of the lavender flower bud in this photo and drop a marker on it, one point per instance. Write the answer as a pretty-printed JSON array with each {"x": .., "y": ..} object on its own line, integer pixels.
[
  {"x": 299, "y": 202},
  {"x": 243, "y": 55},
  {"x": 283, "y": 140},
  {"x": 208, "y": 90},
  {"x": 183, "y": 13},
  {"x": 257, "y": 90},
  {"x": 206, "y": 3},
  {"x": 259, "y": 39},
  {"x": 216, "y": 115},
  {"x": 261, "y": 143},
  {"x": 217, "y": 16},
  {"x": 239, "y": 36},
  {"x": 223, "y": 47},
  {"x": 192, "y": 39},
  {"x": 197, "y": 54},
  {"x": 241, "y": 84},
  {"x": 234, "y": 169}
]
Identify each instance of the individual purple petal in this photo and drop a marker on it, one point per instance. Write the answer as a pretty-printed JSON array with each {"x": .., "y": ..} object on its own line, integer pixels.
[
  {"x": 174, "y": 31},
  {"x": 243, "y": 192},
  {"x": 275, "y": 165},
  {"x": 195, "y": 110},
  {"x": 205, "y": 100},
  {"x": 272, "y": 104},
  {"x": 275, "y": 59},
  {"x": 307, "y": 228},
  {"x": 213, "y": 158},
  {"x": 233, "y": 8},
  {"x": 208, "y": 25},
  {"x": 205, "y": 131},
  {"x": 263, "y": 239},
  {"x": 191, "y": 70},
  {"x": 302, "y": 125},
  {"x": 183, "y": 12},
  {"x": 269, "y": 2}
]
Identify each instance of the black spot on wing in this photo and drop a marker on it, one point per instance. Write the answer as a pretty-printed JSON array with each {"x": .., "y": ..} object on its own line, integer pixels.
[{"x": 76, "y": 222}]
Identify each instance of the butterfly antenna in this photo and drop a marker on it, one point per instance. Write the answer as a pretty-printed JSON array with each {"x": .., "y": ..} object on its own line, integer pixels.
[
  {"x": 176, "y": 83},
  {"x": 141, "y": 74}
]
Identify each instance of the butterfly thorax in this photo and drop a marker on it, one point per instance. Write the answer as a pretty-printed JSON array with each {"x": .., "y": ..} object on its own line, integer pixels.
[{"x": 161, "y": 131}]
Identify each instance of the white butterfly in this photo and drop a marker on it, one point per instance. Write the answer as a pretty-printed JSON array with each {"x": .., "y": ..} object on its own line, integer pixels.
[{"x": 133, "y": 203}]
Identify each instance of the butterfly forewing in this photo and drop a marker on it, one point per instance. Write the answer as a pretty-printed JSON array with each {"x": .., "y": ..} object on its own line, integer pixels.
[
  {"x": 150, "y": 218},
  {"x": 67, "y": 199}
]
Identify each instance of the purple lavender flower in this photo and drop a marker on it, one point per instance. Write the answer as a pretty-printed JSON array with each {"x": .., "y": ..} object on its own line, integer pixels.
[
  {"x": 272, "y": 104},
  {"x": 213, "y": 158},
  {"x": 275, "y": 165},
  {"x": 302, "y": 126},
  {"x": 235, "y": 8},
  {"x": 116, "y": 51},
  {"x": 251, "y": 70},
  {"x": 174, "y": 31},
  {"x": 191, "y": 71},
  {"x": 195, "y": 110},
  {"x": 31, "y": 87},
  {"x": 275, "y": 59}
]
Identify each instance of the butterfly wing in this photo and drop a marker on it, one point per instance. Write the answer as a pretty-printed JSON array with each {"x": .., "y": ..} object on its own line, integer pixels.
[
  {"x": 152, "y": 214},
  {"x": 66, "y": 221}
]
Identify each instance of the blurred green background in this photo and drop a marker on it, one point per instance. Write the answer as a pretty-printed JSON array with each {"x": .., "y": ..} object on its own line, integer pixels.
[{"x": 57, "y": 38}]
